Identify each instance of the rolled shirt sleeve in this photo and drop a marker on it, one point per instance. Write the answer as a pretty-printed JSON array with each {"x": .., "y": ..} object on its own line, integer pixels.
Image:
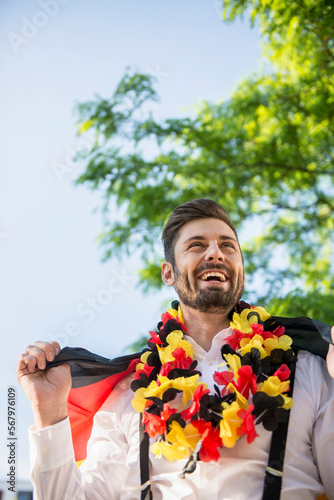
[{"x": 56, "y": 476}]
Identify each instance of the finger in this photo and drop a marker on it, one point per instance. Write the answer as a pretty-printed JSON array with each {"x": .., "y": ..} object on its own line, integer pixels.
[
  {"x": 27, "y": 362},
  {"x": 48, "y": 346},
  {"x": 37, "y": 353},
  {"x": 332, "y": 330},
  {"x": 51, "y": 349}
]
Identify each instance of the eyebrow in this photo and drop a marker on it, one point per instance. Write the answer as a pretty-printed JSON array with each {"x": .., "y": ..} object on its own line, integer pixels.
[{"x": 222, "y": 237}]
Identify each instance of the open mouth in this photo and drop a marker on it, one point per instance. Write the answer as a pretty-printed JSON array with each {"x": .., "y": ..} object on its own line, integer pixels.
[{"x": 215, "y": 276}]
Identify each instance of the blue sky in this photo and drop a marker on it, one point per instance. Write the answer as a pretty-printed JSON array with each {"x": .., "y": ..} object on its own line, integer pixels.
[{"x": 53, "y": 54}]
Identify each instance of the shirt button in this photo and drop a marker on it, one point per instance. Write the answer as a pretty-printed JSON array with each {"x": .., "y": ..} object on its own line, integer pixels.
[{"x": 210, "y": 362}]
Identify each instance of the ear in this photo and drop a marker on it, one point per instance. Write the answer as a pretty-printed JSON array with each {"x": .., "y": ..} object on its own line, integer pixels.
[{"x": 167, "y": 273}]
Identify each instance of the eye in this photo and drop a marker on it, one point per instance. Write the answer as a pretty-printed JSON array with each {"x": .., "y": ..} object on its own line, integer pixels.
[
  {"x": 196, "y": 244},
  {"x": 228, "y": 244}
]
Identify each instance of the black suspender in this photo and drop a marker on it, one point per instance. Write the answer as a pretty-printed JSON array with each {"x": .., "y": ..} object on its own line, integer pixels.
[
  {"x": 274, "y": 471},
  {"x": 146, "y": 493}
]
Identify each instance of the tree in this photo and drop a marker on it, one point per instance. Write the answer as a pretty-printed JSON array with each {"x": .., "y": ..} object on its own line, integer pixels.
[{"x": 265, "y": 154}]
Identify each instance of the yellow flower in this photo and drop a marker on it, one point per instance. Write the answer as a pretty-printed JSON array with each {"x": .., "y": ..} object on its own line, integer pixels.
[
  {"x": 153, "y": 390},
  {"x": 182, "y": 442},
  {"x": 192, "y": 435},
  {"x": 234, "y": 362},
  {"x": 169, "y": 451},
  {"x": 174, "y": 339},
  {"x": 144, "y": 356},
  {"x": 284, "y": 342},
  {"x": 176, "y": 314},
  {"x": 139, "y": 401},
  {"x": 188, "y": 385},
  {"x": 246, "y": 345},
  {"x": 273, "y": 386},
  {"x": 156, "y": 390},
  {"x": 243, "y": 324},
  {"x": 186, "y": 438},
  {"x": 288, "y": 402},
  {"x": 143, "y": 359},
  {"x": 241, "y": 400},
  {"x": 229, "y": 424}
]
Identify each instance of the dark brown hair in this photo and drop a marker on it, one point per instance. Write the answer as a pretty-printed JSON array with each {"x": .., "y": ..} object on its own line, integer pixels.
[{"x": 202, "y": 208}]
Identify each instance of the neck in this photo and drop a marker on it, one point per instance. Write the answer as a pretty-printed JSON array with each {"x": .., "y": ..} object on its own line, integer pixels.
[{"x": 202, "y": 327}]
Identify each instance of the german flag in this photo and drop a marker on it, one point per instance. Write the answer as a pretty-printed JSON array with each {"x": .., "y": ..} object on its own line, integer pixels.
[{"x": 93, "y": 379}]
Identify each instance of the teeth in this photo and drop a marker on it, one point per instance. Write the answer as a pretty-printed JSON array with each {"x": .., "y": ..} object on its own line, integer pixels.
[{"x": 206, "y": 276}]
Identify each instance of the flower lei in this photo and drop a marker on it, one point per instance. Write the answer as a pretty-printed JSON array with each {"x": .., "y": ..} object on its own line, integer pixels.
[{"x": 253, "y": 388}]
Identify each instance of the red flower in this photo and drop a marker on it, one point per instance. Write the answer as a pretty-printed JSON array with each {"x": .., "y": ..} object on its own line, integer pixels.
[
  {"x": 267, "y": 335},
  {"x": 211, "y": 441},
  {"x": 248, "y": 426},
  {"x": 234, "y": 339},
  {"x": 155, "y": 339},
  {"x": 167, "y": 316},
  {"x": 223, "y": 378},
  {"x": 283, "y": 373},
  {"x": 167, "y": 411},
  {"x": 166, "y": 368},
  {"x": 146, "y": 370},
  {"x": 153, "y": 424},
  {"x": 257, "y": 328},
  {"x": 157, "y": 425},
  {"x": 280, "y": 330},
  {"x": 198, "y": 394},
  {"x": 246, "y": 381},
  {"x": 181, "y": 360}
]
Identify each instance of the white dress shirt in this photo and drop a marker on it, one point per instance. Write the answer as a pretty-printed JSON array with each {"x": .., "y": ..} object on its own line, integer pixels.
[{"x": 111, "y": 470}]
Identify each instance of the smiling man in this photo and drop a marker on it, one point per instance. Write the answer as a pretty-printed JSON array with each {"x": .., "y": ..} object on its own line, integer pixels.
[{"x": 210, "y": 396}]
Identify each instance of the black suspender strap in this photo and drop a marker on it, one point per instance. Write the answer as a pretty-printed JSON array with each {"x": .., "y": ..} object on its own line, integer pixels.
[
  {"x": 274, "y": 471},
  {"x": 146, "y": 493}
]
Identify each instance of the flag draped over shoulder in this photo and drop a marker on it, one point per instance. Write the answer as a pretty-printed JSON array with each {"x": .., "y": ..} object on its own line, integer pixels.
[{"x": 94, "y": 377}]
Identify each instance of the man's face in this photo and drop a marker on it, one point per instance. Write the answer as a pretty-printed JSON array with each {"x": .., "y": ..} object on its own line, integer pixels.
[{"x": 208, "y": 273}]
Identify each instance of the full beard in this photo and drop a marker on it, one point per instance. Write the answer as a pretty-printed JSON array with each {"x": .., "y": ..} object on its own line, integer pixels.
[{"x": 212, "y": 300}]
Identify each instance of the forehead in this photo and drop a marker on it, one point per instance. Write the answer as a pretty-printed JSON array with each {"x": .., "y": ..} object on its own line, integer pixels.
[{"x": 207, "y": 228}]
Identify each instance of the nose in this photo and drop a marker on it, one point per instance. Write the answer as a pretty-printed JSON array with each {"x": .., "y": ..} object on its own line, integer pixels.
[{"x": 214, "y": 253}]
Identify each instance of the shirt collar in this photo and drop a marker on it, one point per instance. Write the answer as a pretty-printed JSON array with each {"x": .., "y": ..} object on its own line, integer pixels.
[{"x": 217, "y": 342}]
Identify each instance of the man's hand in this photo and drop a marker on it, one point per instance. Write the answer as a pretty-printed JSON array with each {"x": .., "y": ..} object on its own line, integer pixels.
[
  {"x": 330, "y": 357},
  {"x": 47, "y": 390}
]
